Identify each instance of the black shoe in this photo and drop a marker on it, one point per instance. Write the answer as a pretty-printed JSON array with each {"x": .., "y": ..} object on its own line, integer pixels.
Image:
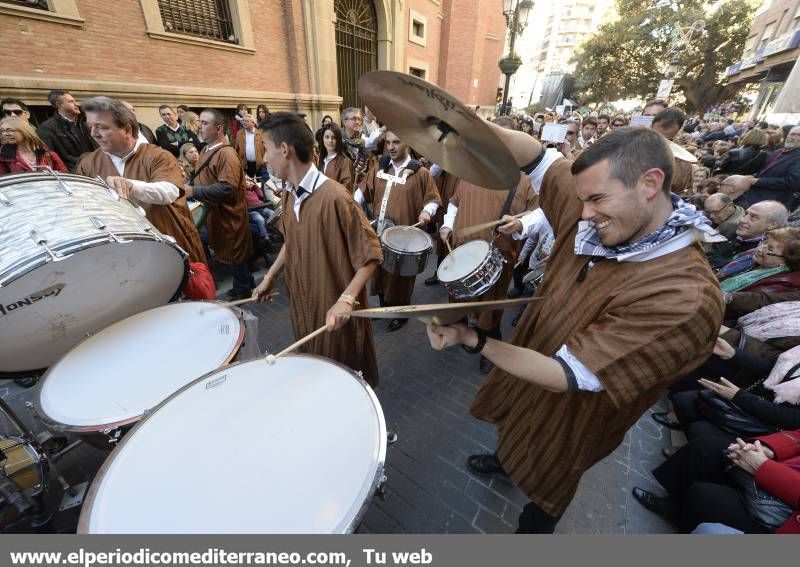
[
  {"x": 486, "y": 365},
  {"x": 485, "y": 465},
  {"x": 514, "y": 293},
  {"x": 662, "y": 419},
  {"x": 661, "y": 506},
  {"x": 395, "y": 324},
  {"x": 433, "y": 280}
]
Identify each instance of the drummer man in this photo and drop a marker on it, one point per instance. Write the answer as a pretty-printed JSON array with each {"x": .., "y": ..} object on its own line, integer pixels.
[
  {"x": 329, "y": 251},
  {"x": 141, "y": 172},
  {"x": 414, "y": 202},
  {"x": 627, "y": 305}
]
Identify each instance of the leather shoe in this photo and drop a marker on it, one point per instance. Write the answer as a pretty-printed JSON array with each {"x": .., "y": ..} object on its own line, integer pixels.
[
  {"x": 485, "y": 465},
  {"x": 661, "y": 418},
  {"x": 657, "y": 504},
  {"x": 486, "y": 365},
  {"x": 395, "y": 324},
  {"x": 433, "y": 280}
]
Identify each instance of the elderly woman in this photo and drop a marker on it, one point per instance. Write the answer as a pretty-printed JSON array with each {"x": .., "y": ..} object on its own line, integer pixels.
[
  {"x": 773, "y": 266},
  {"x": 22, "y": 151},
  {"x": 748, "y": 158}
]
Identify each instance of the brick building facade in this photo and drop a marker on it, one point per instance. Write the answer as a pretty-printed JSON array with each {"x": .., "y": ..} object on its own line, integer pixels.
[{"x": 278, "y": 52}]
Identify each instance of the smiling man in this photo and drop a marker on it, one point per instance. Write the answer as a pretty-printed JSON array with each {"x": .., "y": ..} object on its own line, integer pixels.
[{"x": 628, "y": 304}]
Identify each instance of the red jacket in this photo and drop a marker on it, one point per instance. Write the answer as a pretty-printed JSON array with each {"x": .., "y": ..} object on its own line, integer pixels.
[
  {"x": 12, "y": 162},
  {"x": 781, "y": 476},
  {"x": 779, "y": 283}
]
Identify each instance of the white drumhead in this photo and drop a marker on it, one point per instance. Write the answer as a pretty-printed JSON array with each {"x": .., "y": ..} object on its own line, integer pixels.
[
  {"x": 406, "y": 239},
  {"x": 132, "y": 366},
  {"x": 83, "y": 294},
  {"x": 294, "y": 447},
  {"x": 463, "y": 260}
]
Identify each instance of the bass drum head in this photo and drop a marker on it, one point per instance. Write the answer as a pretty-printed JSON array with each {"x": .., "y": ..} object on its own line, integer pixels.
[
  {"x": 294, "y": 447},
  {"x": 50, "y": 309},
  {"x": 462, "y": 261},
  {"x": 113, "y": 377},
  {"x": 406, "y": 239}
]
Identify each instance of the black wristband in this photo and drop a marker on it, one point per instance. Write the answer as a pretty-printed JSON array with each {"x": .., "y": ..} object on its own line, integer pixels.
[{"x": 481, "y": 341}]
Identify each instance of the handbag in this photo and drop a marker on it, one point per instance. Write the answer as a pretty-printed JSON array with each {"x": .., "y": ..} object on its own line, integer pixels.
[
  {"x": 763, "y": 508},
  {"x": 728, "y": 417},
  {"x": 200, "y": 283}
]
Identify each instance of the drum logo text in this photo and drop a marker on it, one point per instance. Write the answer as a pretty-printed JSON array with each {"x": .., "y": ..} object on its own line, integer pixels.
[
  {"x": 216, "y": 382},
  {"x": 51, "y": 291}
]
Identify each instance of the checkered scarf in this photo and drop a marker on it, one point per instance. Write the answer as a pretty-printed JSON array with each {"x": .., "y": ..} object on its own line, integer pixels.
[{"x": 683, "y": 217}]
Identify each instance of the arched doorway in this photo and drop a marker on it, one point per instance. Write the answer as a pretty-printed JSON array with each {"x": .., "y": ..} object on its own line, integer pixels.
[{"x": 356, "y": 45}]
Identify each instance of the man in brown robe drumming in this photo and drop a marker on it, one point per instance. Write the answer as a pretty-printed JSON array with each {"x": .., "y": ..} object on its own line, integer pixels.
[
  {"x": 414, "y": 202},
  {"x": 143, "y": 173},
  {"x": 628, "y": 305},
  {"x": 329, "y": 251},
  {"x": 219, "y": 182},
  {"x": 471, "y": 205},
  {"x": 446, "y": 184}
]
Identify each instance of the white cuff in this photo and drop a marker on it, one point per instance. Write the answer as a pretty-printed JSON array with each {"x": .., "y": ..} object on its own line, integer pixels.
[
  {"x": 529, "y": 224},
  {"x": 436, "y": 171},
  {"x": 450, "y": 216},
  {"x": 587, "y": 381},
  {"x": 431, "y": 208},
  {"x": 155, "y": 193},
  {"x": 359, "y": 197}
]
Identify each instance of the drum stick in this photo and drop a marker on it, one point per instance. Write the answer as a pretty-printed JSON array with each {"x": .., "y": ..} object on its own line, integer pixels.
[
  {"x": 447, "y": 243},
  {"x": 271, "y": 357},
  {"x": 272, "y": 295},
  {"x": 483, "y": 226}
]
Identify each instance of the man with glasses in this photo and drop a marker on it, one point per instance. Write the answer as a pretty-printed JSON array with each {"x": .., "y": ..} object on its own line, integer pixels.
[
  {"x": 755, "y": 222},
  {"x": 724, "y": 214},
  {"x": 66, "y": 132},
  {"x": 15, "y": 107}
]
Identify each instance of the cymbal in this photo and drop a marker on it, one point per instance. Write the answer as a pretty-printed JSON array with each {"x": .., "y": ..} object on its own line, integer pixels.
[
  {"x": 680, "y": 153},
  {"x": 437, "y": 125},
  {"x": 439, "y": 313}
]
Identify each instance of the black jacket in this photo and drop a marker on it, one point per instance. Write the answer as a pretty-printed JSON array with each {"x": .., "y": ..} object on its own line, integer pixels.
[
  {"x": 778, "y": 180},
  {"x": 743, "y": 161},
  {"x": 68, "y": 142}
]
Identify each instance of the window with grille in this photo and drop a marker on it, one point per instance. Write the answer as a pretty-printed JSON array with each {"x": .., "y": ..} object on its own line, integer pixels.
[
  {"x": 39, "y": 4},
  {"x": 210, "y": 19}
]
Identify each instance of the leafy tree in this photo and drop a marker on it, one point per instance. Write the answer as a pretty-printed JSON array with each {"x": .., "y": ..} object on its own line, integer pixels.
[{"x": 628, "y": 56}]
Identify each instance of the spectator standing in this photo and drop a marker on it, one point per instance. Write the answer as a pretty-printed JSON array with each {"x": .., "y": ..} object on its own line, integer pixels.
[
  {"x": 249, "y": 146},
  {"x": 21, "y": 149},
  {"x": 65, "y": 132},
  {"x": 171, "y": 135},
  {"x": 15, "y": 107}
]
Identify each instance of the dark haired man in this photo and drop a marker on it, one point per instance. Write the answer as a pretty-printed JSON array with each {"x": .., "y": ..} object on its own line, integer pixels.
[
  {"x": 653, "y": 107},
  {"x": 628, "y": 304},
  {"x": 14, "y": 107},
  {"x": 219, "y": 182},
  {"x": 329, "y": 254},
  {"x": 669, "y": 122},
  {"x": 603, "y": 121},
  {"x": 65, "y": 132},
  {"x": 588, "y": 130}
]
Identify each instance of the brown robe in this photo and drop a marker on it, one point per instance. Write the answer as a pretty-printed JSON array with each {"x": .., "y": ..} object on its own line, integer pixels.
[
  {"x": 324, "y": 249},
  {"x": 227, "y": 222},
  {"x": 404, "y": 206},
  {"x": 446, "y": 184},
  {"x": 340, "y": 169},
  {"x": 637, "y": 326},
  {"x": 241, "y": 147},
  {"x": 150, "y": 164},
  {"x": 478, "y": 205}
]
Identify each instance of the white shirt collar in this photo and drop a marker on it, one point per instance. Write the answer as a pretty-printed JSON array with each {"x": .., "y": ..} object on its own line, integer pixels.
[
  {"x": 402, "y": 166},
  {"x": 209, "y": 147},
  {"x": 177, "y": 126},
  {"x": 119, "y": 162},
  {"x": 310, "y": 182}
]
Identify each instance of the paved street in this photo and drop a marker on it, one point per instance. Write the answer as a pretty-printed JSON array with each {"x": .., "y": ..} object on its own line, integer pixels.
[{"x": 425, "y": 397}]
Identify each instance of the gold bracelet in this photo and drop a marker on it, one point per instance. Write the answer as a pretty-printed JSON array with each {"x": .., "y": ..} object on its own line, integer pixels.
[{"x": 353, "y": 301}]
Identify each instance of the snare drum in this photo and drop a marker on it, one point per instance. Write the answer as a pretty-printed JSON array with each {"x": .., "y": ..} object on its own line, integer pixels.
[
  {"x": 471, "y": 269},
  {"x": 108, "y": 381},
  {"x": 405, "y": 250},
  {"x": 21, "y": 463},
  {"x": 294, "y": 447},
  {"x": 74, "y": 258}
]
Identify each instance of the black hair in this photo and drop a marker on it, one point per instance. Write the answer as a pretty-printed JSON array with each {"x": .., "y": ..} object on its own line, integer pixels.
[{"x": 289, "y": 128}]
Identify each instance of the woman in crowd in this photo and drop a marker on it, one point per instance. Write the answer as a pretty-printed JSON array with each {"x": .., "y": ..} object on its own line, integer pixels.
[
  {"x": 327, "y": 119},
  {"x": 262, "y": 113},
  {"x": 333, "y": 160},
  {"x": 188, "y": 158},
  {"x": 774, "y": 139},
  {"x": 748, "y": 158},
  {"x": 22, "y": 151},
  {"x": 699, "y": 174},
  {"x": 773, "y": 266}
]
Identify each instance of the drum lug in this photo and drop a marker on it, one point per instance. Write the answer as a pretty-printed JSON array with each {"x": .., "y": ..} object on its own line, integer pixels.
[
  {"x": 100, "y": 225},
  {"x": 111, "y": 193},
  {"x": 63, "y": 187},
  {"x": 42, "y": 241},
  {"x": 112, "y": 435},
  {"x": 149, "y": 229},
  {"x": 5, "y": 200},
  {"x": 380, "y": 492}
]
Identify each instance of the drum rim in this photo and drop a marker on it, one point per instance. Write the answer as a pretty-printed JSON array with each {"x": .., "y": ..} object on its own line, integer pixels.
[
  {"x": 50, "y": 423},
  {"x": 407, "y": 252},
  {"x": 91, "y": 495},
  {"x": 492, "y": 250},
  {"x": 39, "y": 461},
  {"x": 7, "y": 180}
]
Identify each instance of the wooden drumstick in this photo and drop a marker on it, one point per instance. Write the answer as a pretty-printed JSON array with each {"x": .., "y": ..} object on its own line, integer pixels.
[
  {"x": 479, "y": 227},
  {"x": 272, "y": 357},
  {"x": 272, "y": 295},
  {"x": 447, "y": 243}
]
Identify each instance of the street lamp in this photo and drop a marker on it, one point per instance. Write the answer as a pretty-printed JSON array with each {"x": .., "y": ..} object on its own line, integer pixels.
[{"x": 516, "y": 13}]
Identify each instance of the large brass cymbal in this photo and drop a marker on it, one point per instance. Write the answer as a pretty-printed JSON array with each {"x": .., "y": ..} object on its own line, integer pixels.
[
  {"x": 440, "y": 313},
  {"x": 438, "y": 126}
]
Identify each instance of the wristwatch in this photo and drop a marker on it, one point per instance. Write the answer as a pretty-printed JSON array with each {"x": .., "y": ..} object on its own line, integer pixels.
[{"x": 481, "y": 341}]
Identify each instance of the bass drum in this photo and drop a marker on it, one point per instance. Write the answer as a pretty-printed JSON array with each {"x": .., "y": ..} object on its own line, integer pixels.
[
  {"x": 293, "y": 447},
  {"x": 74, "y": 258}
]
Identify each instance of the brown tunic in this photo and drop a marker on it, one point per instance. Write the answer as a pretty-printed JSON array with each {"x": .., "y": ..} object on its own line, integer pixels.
[
  {"x": 227, "y": 222},
  {"x": 478, "y": 205},
  {"x": 324, "y": 250},
  {"x": 241, "y": 147},
  {"x": 404, "y": 206},
  {"x": 340, "y": 169},
  {"x": 150, "y": 164},
  {"x": 636, "y": 326}
]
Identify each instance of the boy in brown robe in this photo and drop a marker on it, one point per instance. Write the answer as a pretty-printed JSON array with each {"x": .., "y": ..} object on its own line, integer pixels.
[
  {"x": 329, "y": 251},
  {"x": 629, "y": 304},
  {"x": 414, "y": 202},
  {"x": 146, "y": 174}
]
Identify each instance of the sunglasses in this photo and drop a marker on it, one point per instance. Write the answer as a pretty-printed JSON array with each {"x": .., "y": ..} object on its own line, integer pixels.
[{"x": 7, "y": 112}]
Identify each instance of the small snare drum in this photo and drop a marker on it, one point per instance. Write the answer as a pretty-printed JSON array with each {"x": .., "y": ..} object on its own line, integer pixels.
[
  {"x": 405, "y": 250},
  {"x": 471, "y": 269}
]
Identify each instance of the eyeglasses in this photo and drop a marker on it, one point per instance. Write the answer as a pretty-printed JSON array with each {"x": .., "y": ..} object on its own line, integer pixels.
[
  {"x": 354, "y": 118},
  {"x": 9, "y": 112},
  {"x": 718, "y": 211},
  {"x": 8, "y": 131},
  {"x": 571, "y": 133},
  {"x": 763, "y": 245}
]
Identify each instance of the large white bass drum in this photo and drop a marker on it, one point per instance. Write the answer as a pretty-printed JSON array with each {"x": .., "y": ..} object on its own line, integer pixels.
[{"x": 74, "y": 258}]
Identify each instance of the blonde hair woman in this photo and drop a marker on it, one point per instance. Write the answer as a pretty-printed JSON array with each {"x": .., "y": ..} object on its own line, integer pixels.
[
  {"x": 23, "y": 151},
  {"x": 188, "y": 156}
]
